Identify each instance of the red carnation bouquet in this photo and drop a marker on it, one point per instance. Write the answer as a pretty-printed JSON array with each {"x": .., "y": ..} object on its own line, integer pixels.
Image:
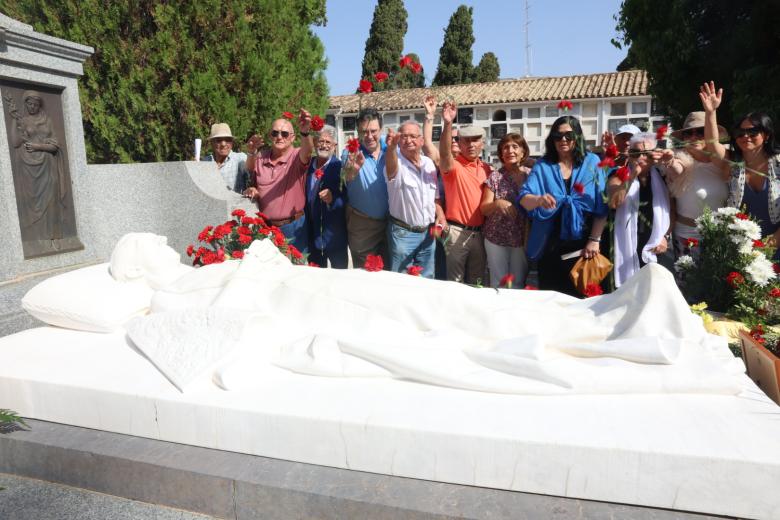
[{"x": 229, "y": 240}]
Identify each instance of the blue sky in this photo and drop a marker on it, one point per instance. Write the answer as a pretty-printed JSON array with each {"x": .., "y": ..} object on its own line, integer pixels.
[{"x": 567, "y": 36}]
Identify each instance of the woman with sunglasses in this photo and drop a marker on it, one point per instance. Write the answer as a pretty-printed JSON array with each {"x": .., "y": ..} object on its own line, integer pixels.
[
  {"x": 694, "y": 176},
  {"x": 754, "y": 165},
  {"x": 564, "y": 198}
]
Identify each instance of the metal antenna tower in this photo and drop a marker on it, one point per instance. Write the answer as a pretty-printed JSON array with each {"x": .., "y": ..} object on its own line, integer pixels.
[{"x": 527, "y": 41}]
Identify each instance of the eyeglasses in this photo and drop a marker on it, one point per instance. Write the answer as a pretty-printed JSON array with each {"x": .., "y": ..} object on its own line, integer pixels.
[
  {"x": 638, "y": 153},
  {"x": 370, "y": 131},
  {"x": 218, "y": 140},
  {"x": 277, "y": 133},
  {"x": 324, "y": 142},
  {"x": 693, "y": 132},
  {"x": 753, "y": 131},
  {"x": 560, "y": 136}
]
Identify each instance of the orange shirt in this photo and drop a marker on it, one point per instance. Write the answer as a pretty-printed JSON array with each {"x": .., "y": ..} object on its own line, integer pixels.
[{"x": 463, "y": 190}]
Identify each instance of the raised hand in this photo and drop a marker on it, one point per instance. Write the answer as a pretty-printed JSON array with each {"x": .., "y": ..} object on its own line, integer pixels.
[
  {"x": 304, "y": 121},
  {"x": 449, "y": 111},
  {"x": 254, "y": 144},
  {"x": 392, "y": 138},
  {"x": 430, "y": 105},
  {"x": 607, "y": 139},
  {"x": 710, "y": 97}
]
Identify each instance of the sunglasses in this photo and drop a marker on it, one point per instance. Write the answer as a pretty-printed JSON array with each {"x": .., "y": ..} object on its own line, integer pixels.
[
  {"x": 638, "y": 153},
  {"x": 277, "y": 133},
  {"x": 560, "y": 136},
  {"x": 693, "y": 132},
  {"x": 753, "y": 131}
]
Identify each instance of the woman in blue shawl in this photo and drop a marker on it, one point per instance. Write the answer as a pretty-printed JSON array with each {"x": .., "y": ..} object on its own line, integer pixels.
[{"x": 564, "y": 198}]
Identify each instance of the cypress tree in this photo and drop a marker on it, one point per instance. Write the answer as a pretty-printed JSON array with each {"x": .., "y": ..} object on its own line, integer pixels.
[
  {"x": 163, "y": 72},
  {"x": 488, "y": 69},
  {"x": 455, "y": 58},
  {"x": 385, "y": 44}
]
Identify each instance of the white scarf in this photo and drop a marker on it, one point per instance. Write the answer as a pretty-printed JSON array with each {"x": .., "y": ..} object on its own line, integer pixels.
[{"x": 625, "y": 229}]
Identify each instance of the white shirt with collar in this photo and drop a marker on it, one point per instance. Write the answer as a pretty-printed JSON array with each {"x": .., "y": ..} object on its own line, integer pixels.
[{"x": 413, "y": 191}]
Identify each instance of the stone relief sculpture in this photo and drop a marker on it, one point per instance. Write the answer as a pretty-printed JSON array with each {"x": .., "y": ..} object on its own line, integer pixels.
[{"x": 41, "y": 179}]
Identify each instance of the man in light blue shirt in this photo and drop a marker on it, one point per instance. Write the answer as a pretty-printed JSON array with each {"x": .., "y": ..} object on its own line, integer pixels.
[
  {"x": 231, "y": 165},
  {"x": 367, "y": 191}
]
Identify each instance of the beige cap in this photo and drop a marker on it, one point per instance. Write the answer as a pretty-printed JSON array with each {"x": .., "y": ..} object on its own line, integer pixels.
[
  {"x": 220, "y": 130},
  {"x": 471, "y": 131}
]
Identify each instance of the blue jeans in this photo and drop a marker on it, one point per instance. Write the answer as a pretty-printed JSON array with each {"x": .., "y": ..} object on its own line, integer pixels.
[
  {"x": 297, "y": 234},
  {"x": 410, "y": 248}
]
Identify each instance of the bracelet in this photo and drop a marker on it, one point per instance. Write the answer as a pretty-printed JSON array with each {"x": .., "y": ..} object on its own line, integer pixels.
[
  {"x": 594, "y": 239},
  {"x": 428, "y": 117}
]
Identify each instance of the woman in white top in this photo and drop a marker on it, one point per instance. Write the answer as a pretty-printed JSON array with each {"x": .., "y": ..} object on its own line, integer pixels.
[{"x": 695, "y": 178}]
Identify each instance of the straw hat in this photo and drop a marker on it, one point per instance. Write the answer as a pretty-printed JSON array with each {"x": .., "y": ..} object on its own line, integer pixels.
[
  {"x": 220, "y": 130},
  {"x": 696, "y": 120}
]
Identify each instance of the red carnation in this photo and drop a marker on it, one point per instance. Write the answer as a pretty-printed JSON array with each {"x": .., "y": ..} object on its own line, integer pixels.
[
  {"x": 758, "y": 243},
  {"x": 318, "y": 173},
  {"x": 313, "y": 264},
  {"x": 741, "y": 216},
  {"x": 593, "y": 289},
  {"x": 405, "y": 62},
  {"x": 220, "y": 255},
  {"x": 565, "y": 105},
  {"x": 200, "y": 252},
  {"x": 244, "y": 230},
  {"x": 230, "y": 224},
  {"x": 203, "y": 236},
  {"x": 623, "y": 173},
  {"x": 507, "y": 280},
  {"x": 579, "y": 187},
  {"x": 381, "y": 76},
  {"x": 661, "y": 132},
  {"x": 279, "y": 238},
  {"x": 190, "y": 250},
  {"x": 237, "y": 254},
  {"x": 414, "y": 270},
  {"x": 238, "y": 212},
  {"x": 608, "y": 162},
  {"x": 244, "y": 239},
  {"x": 208, "y": 258},
  {"x": 288, "y": 115},
  {"x": 530, "y": 288},
  {"x": 692, "y": 242},
  {"x": 775, "y": 292},
  {"x": 611, "y": 151},
  {"x": 365, "y": 87},
  {"x": 776, "y": 268},
  {"x": 353, "y": 145},
  {"x": 374, "y": 263},
  {"x": 415, "y": 67},
  {"x": 734, "y": 279},
  {"x": 294, "y": 252},
  {"x": 317, "y": 123},
  {"x": 262, "y": 215},
  {"x": 247, "y": 221}
]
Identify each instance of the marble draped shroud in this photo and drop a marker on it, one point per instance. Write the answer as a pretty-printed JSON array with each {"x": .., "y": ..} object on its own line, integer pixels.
[{"x": 227, "y": 319}]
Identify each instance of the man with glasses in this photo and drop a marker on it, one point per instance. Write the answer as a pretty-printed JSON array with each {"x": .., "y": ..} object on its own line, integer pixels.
[
  {"x": 463, "y": 178},
  {"x": 325, "y": 204},
  {"x": 231, "y": 165},
  {"x": 412, "y": 187},
  {"x": 279, "y": 178},
  {"x": 366, "y": 191}
]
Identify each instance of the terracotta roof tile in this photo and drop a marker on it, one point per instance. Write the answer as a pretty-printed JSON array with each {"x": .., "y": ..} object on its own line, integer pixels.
[{"x": 583, "y": 86}]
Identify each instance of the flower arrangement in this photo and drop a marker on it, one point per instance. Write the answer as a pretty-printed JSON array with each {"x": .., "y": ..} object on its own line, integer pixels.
[
  {"x": 229, "y": 240},
  {"x": 729, "y": 268}
]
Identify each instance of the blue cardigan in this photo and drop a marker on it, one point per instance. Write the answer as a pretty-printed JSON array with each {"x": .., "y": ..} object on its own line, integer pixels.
[{"x": 546, "y": 177}]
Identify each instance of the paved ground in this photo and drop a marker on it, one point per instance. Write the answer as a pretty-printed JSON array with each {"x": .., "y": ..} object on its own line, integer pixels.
[{"x": 28, "y": 499}]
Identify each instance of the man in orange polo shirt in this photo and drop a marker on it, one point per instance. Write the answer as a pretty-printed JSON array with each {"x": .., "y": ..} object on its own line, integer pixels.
[
  {"x": 463, "y": 177},
  {"x": 279, "y": 175}
]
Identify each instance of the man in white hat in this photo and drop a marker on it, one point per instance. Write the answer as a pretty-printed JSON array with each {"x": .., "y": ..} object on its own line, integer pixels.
[
  {"x": 463, "y": 177},
  {"x": 231, "y": 165},
  {"x": 620, "y": 139}
]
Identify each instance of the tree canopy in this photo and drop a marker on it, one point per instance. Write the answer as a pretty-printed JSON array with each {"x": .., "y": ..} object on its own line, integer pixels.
[
  {"x": 488, "y": 69},
  {"x": 163, "y": 72},
  {"x": 455, "y": 56},
  {"x": 683, "y": 43},
  {"x": 385, "y": 45}
]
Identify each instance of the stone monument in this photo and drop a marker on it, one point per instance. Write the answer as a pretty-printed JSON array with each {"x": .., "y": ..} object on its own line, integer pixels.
[{"x": 42, "y": 155}]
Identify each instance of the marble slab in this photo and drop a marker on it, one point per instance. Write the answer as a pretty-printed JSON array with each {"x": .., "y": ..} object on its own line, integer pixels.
[{"x": 704, "y": 453}]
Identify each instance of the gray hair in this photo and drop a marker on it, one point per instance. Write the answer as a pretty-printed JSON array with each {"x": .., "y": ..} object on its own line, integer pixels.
[
  {"x": 327, "y": 129},
  {"x": 410, "y": 122},
  {"x": 647, "y": 138}
]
